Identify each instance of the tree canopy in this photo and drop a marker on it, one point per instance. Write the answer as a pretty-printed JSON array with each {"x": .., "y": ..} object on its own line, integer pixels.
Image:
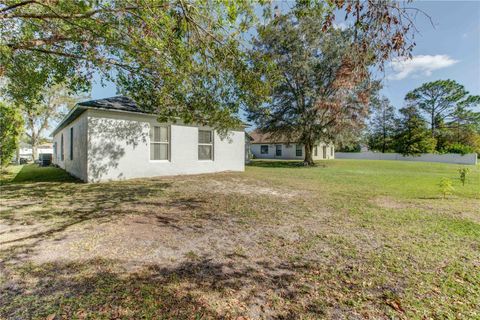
[
  {"x": 11, "y": 128},
  {"x": 179, "y": 58},
  {"x": 318, "y": 92},
  {"x": 439, "y": 100},
  {"x": 412, "y": 134},
  {"x": 382, "y": 125},
  {"x": 181, "y": 55}
]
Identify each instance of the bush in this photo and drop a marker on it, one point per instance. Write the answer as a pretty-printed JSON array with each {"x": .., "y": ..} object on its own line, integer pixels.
[
  {"x": 446, "y": 187},
  {"x": 11, "y": 127},
  {"x": 458, "y": 148},
  {"x": 463, "y": 174}
]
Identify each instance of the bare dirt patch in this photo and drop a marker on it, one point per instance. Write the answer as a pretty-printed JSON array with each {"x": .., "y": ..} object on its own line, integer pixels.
[{"x": 388, "y": 203}]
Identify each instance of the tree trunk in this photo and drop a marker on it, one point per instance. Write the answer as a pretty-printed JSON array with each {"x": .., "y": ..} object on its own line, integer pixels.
[
  {"x": 308, "y": 161},
  {"x": 34, "y": 144},
  {"x": 17, "y": 157}
]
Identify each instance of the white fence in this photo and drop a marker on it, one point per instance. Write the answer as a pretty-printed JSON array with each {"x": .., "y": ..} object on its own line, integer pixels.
[{"x": 470, "y": 158}]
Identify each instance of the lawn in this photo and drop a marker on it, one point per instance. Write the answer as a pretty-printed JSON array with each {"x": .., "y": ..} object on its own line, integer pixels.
[{"x": 346, "y": 239}]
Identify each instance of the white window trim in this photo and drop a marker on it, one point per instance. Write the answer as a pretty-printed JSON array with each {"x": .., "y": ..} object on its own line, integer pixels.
[
  {"x": 301, "y": 150},
  {"x": 206, "y": 144},
  {"x": 167, "y": 143}
]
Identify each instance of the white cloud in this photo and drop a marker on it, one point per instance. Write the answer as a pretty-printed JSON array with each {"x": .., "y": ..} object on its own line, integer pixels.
[{"x": 419, "y": 65}]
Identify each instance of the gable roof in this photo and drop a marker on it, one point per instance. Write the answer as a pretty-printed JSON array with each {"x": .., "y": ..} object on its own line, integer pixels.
[
  {"x": 117, "y": 103},
  {"x": 120, "y": 103},
  {"x": 259, "y": 137}
]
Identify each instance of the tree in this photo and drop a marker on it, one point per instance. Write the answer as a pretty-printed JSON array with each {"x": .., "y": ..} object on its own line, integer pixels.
[
  {"x": 385, "y": 28},
  {"x": 464, "y": 122},
  {"x": 413, "y": 137},
  {"x": 179, "y": 58},
  {"x": 320, "y": 90},
  {"x": 11, "y": 125},
  {"x": 438, "y": 100},
  {"x": 38, "y": 117},
  {"x": 382, "y": 126}
]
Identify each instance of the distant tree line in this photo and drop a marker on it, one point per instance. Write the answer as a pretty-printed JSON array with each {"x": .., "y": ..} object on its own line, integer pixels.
[{"x": 439, "y": 116}]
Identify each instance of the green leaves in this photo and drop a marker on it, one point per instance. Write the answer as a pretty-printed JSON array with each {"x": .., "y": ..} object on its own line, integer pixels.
[
  {"x": 11, "y": 127},
  {"x": 180, "y": 58}
]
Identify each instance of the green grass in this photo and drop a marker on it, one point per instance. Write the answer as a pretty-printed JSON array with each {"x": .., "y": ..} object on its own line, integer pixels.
[
  {"x": 34, "y": 173},
  {"x": 344, "y": 239}
]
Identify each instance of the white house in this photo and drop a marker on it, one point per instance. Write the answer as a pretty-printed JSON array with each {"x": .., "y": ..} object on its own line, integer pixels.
[
  {"x": 25, "y": 150},
  {"x": 112, "y": 139},
  {"x": 263, "y": 146}
]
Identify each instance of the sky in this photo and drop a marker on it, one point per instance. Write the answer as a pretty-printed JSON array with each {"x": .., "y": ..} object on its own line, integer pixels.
[{"x": 448, "y": 49}]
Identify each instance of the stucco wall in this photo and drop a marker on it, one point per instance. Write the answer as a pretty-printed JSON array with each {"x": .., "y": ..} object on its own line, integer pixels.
[
  {"x": 119, "y": 148},
  {"x": 78, "y": 166},
  {"x": 426, "y": 157},
  {"x": 289, "y": 153}
]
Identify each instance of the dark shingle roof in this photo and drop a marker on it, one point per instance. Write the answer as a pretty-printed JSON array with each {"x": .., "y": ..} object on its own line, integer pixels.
[{"x": 120, "y": 103}]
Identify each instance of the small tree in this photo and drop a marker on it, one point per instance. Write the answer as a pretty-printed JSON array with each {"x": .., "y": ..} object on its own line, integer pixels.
[
  {"x": 412, "y": 136},
  {"x": 446, "y": 187},
  {"x": 463, "y": 174},
  {"x": 11, "y": 127}
]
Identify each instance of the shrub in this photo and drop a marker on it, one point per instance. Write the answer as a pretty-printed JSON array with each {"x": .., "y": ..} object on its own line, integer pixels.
[
  {"x": 463, "y": 174},
  {"x": 458, "y": 148},
  {"x": 446, "y": 187}
]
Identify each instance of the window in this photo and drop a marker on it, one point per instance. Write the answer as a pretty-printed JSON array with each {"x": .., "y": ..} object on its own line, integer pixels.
[
  {"x": 205, "y": 145},
  {"x": 278, "y": 150},
  {"x": 55, "y": 150},
  {"x": 159, "y": 139},
  {"x": 331, "y": 151},
  {"x": 324, "y": 152},
  {"x": 71, "y": 143},
  {"x": 315, "y": 151},
  {"x": 62, "y": 154},
  {"x": 298, "y": 150},
  {"x": 264, "y": 149}
]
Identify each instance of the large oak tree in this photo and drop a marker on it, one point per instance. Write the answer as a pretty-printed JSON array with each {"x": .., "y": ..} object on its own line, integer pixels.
[{"x": 320, "y": 81}]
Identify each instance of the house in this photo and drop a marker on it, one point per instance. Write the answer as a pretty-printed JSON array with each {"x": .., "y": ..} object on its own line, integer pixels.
[
  {"x": 263, "y": 146},
  {"x": 112, "y": 139},
  {"x": 25, "y": 150}
]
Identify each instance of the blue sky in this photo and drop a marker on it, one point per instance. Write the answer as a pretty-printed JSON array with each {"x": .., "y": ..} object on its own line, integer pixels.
[{"x": 450, "y": 49}]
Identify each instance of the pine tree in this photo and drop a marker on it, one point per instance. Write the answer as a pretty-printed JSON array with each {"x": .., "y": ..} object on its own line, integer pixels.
[
  {"x": 382, "y": 126},
  {"x": 413, "y": 136}
]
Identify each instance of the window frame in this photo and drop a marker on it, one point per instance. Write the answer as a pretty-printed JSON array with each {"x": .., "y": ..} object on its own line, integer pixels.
[
  {"x": 298, "y": 149},
  {"x": 211, "y": 144},
  {"x": 71, "y": 144},
  {"x": 151, "y": 136},
  {"x": 261, "y": 146},
  {"x": 278, "y": 149},
  {"x": 62, "y": 148}
]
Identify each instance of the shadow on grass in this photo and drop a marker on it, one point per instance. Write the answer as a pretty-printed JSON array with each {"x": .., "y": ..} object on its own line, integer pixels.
[
  {"x": 35, "y": 173},
  {"x": 98, "y": 289},
  {"x": 281, "y": 164}
]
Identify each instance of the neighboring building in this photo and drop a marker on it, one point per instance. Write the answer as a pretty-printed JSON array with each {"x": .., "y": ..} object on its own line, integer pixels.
[
  {"x": 25, "y": 151},
  {"x": 112, "y": 139},
  {"x": 263, "y": 146}
]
